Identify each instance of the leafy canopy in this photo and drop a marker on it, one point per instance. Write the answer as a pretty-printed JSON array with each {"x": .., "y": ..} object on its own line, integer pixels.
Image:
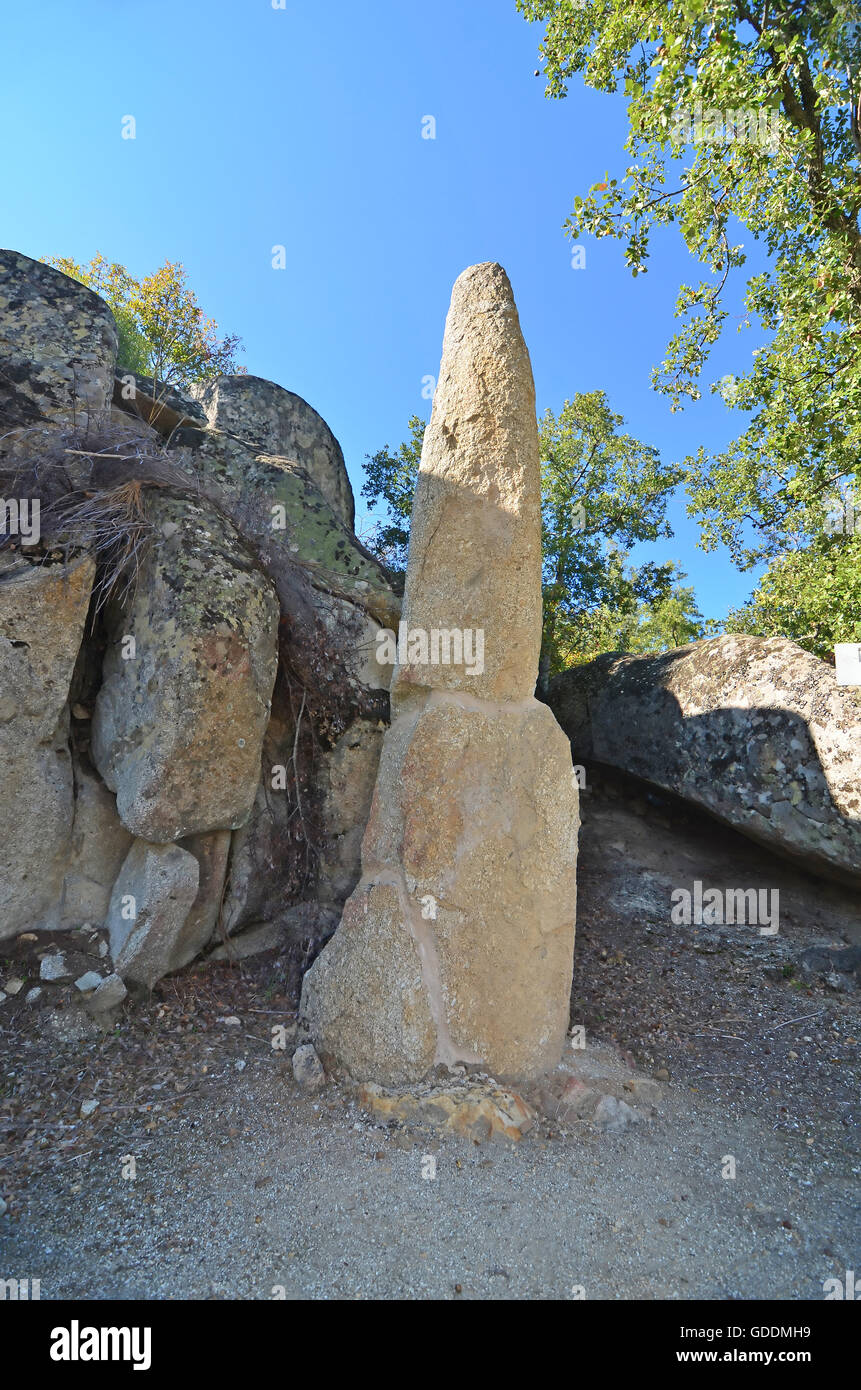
[
  {"x": 746, "y": 111},
  {"x": 670, "y": 621},
  {"x": 603, "y": 491},
  {"x": 812, "y": 596},
  {"x": 391, "y": 478},
  {"x": 162, "y": 329}
]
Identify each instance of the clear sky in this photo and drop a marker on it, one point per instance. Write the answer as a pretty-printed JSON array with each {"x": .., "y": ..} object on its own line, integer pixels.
[{"x": 302, "y": 127}]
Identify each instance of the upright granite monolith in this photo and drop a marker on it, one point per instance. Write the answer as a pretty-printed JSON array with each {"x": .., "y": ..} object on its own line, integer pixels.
[{"x": 457, "y": 943}]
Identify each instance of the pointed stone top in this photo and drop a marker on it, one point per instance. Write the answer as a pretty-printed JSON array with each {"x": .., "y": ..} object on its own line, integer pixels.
[
  {"x": 487, "y": 278},
  {"x": 475, "y": 544},
  {"x": 482, "y": 306}
]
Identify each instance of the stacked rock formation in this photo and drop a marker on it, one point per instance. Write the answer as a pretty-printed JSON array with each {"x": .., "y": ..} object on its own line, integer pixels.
[
  {"x": 456, "y": 946},
  {"x": 157, "y": 748}
]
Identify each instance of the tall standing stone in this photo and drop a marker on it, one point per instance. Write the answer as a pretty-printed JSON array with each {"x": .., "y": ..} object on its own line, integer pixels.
[{"x": 457, "y": 943}]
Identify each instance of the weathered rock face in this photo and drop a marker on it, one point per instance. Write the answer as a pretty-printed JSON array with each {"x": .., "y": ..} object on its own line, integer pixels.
[
  {"x": 479, "y": 813},
  {"x": 754, "y": 730},
  {"x": 346, "y": 778},
  {"x": 346, "y": 772},
  {"x": 211, "y": 852},
  {"x": 165, "y": 408},
  {"x": 152, "y": 897},
  {"x": 278, "y": 422},
  {"x": 294, "y": 530},
  {"x": 336, "y": 771},
  {"x": 457, "y": 944},
  {"x": 58, "y": 343},
  {"x": 99, "y": 844},
  {"x": 178, "y": 727},
  {"x": 366, "y": 997},
  {"x": 268, "y": 858},
  {"x": 43, "y": 608},
  {"x": 333, "y": 596}
]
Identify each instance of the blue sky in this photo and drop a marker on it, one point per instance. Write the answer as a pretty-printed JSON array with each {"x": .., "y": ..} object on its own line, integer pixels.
[{"x": 301, "y": 127}]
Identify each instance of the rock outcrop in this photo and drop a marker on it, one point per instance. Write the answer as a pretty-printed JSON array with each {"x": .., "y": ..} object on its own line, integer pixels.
[
  {"x": 153, "y": 895},
  {"x": 281, "y": 512},
  {"x": 99, "y": 844},
  {"x": 456, "y": 945},
  {"x": 335, "y": 793},
  {"x": 206, "y": 741},
  {"x": 279, "y": 422},
  {"x": 212, "y": 852},
  {"x": 58, "y": 343},
  {"x": 754, "y": 730},
  {"x": 164, "y": 407},
  {"x": 188, "y": 677},
  {"x": 43, "y": 609}
]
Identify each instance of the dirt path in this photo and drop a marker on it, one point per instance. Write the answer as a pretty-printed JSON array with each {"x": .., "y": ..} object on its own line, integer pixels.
[{"x": 246, "y": 1187}]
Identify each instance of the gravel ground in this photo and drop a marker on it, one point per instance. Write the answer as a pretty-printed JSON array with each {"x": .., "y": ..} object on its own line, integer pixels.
[{"x": 246, "y": 1187}]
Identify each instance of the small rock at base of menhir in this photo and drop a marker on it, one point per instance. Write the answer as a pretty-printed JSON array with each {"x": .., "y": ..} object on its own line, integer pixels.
[
  {"x": 307, "y": 1068},
  {"x": 613, "y": 1116}
]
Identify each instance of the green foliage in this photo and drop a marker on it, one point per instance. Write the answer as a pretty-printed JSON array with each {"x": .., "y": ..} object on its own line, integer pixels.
[
  {"x": 812, "y": 596},
  {"x": 777, "y": 88},
  {"x": 670, "y": 621},
  {"x": 133, "y": 350},
  {"x": 602, "y": 492},
  {"x": 162, "y": 329},
  {"x": 391, "y": 478}
]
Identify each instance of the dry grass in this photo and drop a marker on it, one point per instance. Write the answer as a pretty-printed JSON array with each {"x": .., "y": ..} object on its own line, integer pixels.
[
  {"x": 92, "y": 492},
  {"x": 115, "y": 525}
]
